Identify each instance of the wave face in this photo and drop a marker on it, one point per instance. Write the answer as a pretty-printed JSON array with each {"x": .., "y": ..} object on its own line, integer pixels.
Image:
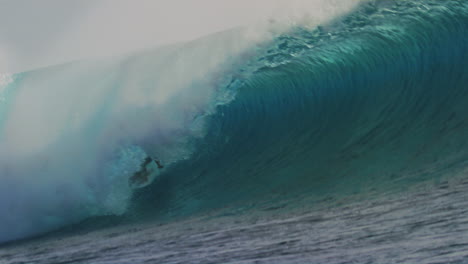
[{"x": 367, "y": 104}]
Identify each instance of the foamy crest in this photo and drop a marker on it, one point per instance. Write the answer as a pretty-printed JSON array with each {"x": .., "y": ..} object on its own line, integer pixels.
[{"x": 5, "y": 80}]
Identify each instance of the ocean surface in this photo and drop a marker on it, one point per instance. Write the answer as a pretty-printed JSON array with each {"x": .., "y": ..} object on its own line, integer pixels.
[{"x": 343, "y": 142}]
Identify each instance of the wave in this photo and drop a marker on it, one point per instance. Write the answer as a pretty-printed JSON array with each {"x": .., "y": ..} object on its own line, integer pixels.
[
  {"x": 367, "y": 104},
  {"x": 73, "y": 135},
  {"x": 371, "y": 101}
]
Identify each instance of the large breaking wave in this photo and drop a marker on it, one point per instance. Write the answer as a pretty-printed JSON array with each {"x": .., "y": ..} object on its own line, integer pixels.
[{"x": 368, "y": 103}]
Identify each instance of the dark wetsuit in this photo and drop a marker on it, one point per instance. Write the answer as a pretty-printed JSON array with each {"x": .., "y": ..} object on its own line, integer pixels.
[
  {"x": 148, "y": 161},
  {"x": 142, "y": 175},
  {"x": 160, "y": 166}
]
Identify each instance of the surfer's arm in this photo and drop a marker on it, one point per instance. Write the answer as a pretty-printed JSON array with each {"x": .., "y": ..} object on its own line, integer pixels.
[{"x": 160, "y": 166}]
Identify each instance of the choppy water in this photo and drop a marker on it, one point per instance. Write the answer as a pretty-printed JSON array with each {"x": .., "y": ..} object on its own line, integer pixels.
[
  {"x": 428, "y": 225},
  {"x": 309, "y": 146}
]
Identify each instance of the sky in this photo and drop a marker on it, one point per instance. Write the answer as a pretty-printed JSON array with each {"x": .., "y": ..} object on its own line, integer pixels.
[{"x": 40, "y": 33}]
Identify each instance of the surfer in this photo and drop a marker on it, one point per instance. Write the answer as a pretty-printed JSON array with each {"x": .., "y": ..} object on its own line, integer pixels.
[
  {"x": 148, "y": 161},
  {"x": 143, "y": 175}
]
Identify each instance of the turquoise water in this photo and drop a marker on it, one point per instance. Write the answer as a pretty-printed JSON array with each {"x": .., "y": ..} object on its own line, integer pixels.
[
  {"x": 371, "y": 103},
  {"x": 368, "y": 104}
]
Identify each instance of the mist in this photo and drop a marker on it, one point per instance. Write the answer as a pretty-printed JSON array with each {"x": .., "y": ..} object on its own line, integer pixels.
[{"x": 35, "y": 34}]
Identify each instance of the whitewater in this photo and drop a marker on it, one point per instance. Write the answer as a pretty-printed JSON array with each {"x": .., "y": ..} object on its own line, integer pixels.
[{"x": 337, "y": 141}]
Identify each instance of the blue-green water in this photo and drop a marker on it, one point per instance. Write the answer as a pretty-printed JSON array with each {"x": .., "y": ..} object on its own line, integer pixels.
[
  {"x": 374, "y": 101},
  {"x": 358, "y": 109}
]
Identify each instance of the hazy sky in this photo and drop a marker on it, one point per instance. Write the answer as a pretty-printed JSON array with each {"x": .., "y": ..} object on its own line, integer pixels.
[{"x": 36, "y": 33}]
